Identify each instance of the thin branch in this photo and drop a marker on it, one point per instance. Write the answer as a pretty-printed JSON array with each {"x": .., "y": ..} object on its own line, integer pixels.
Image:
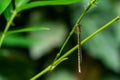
[
  {"x": 7, "y": 27},
  {"x": 75, "y": 47},
  {"x": 73, "y": 29}
]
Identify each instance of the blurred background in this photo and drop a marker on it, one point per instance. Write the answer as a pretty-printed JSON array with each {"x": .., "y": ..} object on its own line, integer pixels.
[{"x": 24, "y": 55}]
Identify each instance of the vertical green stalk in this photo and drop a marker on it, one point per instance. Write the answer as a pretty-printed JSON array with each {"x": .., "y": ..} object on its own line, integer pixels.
[
  {"x": 7, "y": 27},
  {"x": 73, "y": 29}
]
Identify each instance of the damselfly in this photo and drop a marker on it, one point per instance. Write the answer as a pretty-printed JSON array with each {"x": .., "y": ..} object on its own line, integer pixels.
[{"x": 79, "y": 47}]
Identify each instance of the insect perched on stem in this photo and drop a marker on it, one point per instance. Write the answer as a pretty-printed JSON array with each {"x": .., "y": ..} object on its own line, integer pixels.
[{"x": 79, "y": 47}]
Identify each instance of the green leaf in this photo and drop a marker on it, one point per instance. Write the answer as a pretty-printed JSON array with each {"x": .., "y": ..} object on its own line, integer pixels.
[
  {"x": 46, "y": 3},
  {"x": 3, "y": 5},
  {"x": 18, "y": 41},
  {"x": 27, "y": 30},
  {"x": 18, "y": 3},
  {"x": 8, "y": 12}
]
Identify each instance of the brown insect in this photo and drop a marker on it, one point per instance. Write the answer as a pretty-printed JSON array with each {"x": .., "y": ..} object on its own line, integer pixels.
[{"x": 79, "y": 47}]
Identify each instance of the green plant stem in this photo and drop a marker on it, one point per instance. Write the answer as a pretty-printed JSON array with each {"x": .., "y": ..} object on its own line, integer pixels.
[
  {"x": 74, "y": 48},
  {"x": 102, "y": 28},
  {"x": 41, "y": 73},
  {"x": 7, "y": 27},
  {"x": 73, "y": 29}
]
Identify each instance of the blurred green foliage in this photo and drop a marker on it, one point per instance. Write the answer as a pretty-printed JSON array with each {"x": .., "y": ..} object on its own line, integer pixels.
[{"x": 24, "y": 54}]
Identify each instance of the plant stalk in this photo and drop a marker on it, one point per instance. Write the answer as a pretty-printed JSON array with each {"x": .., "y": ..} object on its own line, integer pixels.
[
  {"x": 73, "y": 29},
  {"x": 7, "y": 27},
  {"x": 75, "y": 47}
]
